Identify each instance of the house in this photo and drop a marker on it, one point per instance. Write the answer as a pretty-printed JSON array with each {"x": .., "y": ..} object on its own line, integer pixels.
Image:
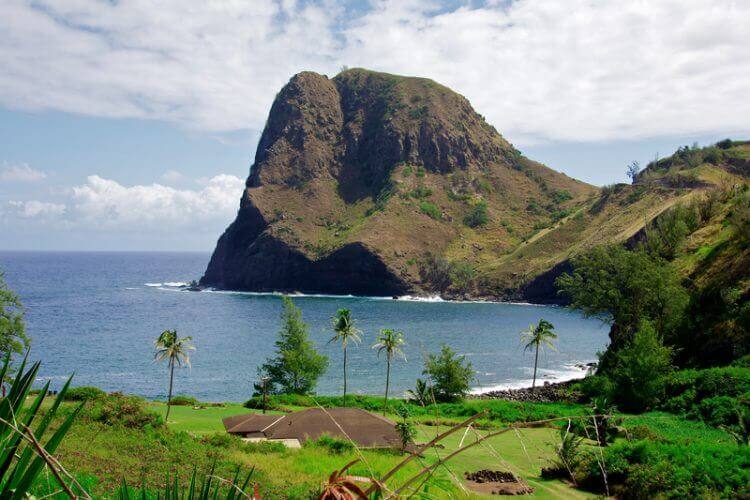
[{"x": 366, "y": 429}]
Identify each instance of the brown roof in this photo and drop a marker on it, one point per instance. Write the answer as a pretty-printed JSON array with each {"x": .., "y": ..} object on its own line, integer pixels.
[
  {"x": 364, "y": 428},
  {"x": 253, "y": 422}
]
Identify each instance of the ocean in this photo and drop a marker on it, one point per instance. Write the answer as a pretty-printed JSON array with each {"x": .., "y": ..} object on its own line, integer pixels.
[{"x": 97, "y": 314}]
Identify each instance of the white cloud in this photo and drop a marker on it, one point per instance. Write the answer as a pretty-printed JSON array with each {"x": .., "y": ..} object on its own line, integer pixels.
[
  {"x": 20, "y": 173},
  {"x": 539, "y": 70},
  {"x": 35, "y": 209},
  {"x": 102, "y": 204}
]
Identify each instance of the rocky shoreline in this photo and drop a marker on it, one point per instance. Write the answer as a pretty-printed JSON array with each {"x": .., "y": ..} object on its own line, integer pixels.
[{"x": 548, "y": 392}]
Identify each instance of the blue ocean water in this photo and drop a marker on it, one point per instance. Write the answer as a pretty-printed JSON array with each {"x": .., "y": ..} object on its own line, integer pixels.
[{"x": 98, "y": 314}]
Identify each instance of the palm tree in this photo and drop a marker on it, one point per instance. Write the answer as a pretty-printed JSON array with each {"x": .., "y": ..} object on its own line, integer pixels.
[
  {"x": 343, "y": 326},
  {"x": 390, "y": 342},
  {"x": 175, "y": 350},
  {"x": 537, "y": 337}
]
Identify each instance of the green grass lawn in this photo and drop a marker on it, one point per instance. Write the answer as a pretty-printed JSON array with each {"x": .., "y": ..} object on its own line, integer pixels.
[
  {"x": 524, "y": 453},
  {"x": 198, "y": 422},
  {"x": 102, "y": 455}
]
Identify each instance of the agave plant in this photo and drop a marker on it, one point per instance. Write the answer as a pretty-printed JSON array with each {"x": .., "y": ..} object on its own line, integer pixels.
[
  {"x": 24, "y": 453},
  {"x": 341, "y": 486},
  {"x": 210, "y": 488}
]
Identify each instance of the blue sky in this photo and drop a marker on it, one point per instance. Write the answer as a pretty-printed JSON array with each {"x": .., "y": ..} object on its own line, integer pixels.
[{"x": 125, "y": 125}]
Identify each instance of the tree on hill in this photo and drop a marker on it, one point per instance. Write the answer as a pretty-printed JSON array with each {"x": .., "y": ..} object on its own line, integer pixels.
[
  {"x": 176, "y": 351},
  {"x": 389, "y": 341},
  {"x": 450, "y": 374},
  {"x": 345, "y": 331},
  {"x": 623, "y": 288},
  {"x": 297, "y": 365},
  {"x": 640, "y": 368},
  {"x": 537, "y": 337},
  {"x": 633, "y": 169}
]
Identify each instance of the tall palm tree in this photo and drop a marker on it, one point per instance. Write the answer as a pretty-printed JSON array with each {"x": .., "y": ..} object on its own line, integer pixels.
[
  {"x": 175, "y": 350},
  {"x": 343, "y": 326},
  {"x": 390, "y": 342},
  {"x": 536, "y": 337}
]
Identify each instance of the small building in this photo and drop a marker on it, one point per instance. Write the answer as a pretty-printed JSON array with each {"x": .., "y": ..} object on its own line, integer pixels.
[{"x": 366, "y": 429}]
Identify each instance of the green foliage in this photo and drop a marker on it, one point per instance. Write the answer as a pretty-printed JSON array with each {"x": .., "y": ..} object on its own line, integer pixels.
[
  {"x": 665, "y": 234},
  {"x": 117, "y": 409},
  {"x": 182, "y": 400},
  {"x": 334, "y": 445},
  {"x": 420, "y": 172},
  {"x": 477, "y": 215},
  {"x": 84, "y": 393},
  {"x": 420, "y": 394},
  {"x": 436, "y": 271},
  {"x": 561, "y": 196},
  {"x": 296, "y": 366},
  {"x": 12, "y": 330},
  {"x": 461, "y": 275},
  {"x": 625, "y": 287},
  {"x": 640, "y": 370},
  {"x": 430, "y": 209},
  {"x": 22, "y": 461},
  {"x": 656, "y": 469},
  {"x": 206, "y": 487},
  {"x": 712, "y": 395},
  {"x": 449, "y": 373},
  {"x": 420, "y": 192},
  {"x": 739, "y": 219},
  {"x": 405, "y": 429},
  {"x": 536, "y": 338}
]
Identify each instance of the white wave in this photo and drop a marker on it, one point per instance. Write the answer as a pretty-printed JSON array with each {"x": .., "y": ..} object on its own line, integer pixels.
[
  {"x": 565, "y": 373},
  {"x": 418, "y": 298},
  {"x": 175, "y": 283},
  {"x": 130, "y": 288},
  {"x": 152, "y": 284}
]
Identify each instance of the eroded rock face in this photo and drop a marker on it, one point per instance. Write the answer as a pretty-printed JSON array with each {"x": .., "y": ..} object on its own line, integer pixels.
[{"x": 327, "y": 206}]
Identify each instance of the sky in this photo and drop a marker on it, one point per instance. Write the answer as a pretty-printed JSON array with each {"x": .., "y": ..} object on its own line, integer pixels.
[{"x": 132, "y": 124}]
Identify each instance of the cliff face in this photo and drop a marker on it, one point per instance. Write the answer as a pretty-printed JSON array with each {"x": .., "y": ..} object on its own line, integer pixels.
[{"x": 363, "y": 181}]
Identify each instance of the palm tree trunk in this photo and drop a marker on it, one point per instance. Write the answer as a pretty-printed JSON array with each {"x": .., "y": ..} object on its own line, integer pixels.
[
  {"x": 536, "y": 359},
  {"x": 169, "y": 395},
  {"x": 344, "y": 377},
  {"x": 387, "y": 383}
]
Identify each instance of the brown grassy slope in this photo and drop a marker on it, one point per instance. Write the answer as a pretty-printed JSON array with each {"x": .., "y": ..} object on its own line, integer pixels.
[{"x": 619, "y": 213}]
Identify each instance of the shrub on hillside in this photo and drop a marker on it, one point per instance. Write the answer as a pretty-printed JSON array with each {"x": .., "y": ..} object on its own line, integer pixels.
[
  {"x": 640, "y": 370},
  {"x": 477, "y": 215},
  {"x": 116, "y": 409},
  {"x": 430, "y": 209},
  {"x": 84, "y": 393},
  {"x": 715, "y": 395}
]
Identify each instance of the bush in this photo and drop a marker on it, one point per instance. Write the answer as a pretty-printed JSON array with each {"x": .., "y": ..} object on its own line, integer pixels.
[
  {"x": 450, "y": 374},
  {"x": 640, "y": 368},
  {"x": 116, "y": 409},
  {"x": 596, "y": 386},
  {"x": 648, "y": 469},
  {"x": 182, "y": 400},
  {"x": 336, "y": 446},
  {"x": 430, "y": 209},
  {"x": 477, "y": 216},
  {"x": 712, "y": 395},
  {"x": 84, "y": 393}
]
